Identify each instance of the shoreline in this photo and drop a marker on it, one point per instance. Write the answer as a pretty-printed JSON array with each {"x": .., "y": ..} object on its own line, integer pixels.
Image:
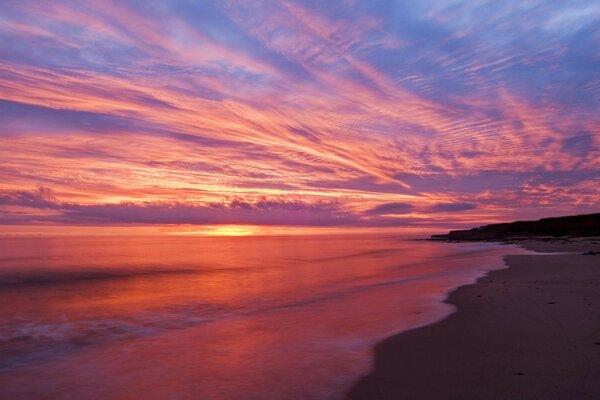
[{"x": 529, "y": 331}]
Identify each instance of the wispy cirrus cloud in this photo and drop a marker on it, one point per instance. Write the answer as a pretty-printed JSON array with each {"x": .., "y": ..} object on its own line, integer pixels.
[{"x": 484, "y": 110}]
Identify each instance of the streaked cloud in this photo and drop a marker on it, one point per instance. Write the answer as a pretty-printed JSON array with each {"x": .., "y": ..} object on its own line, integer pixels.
[{"x": 298, "y": 112}]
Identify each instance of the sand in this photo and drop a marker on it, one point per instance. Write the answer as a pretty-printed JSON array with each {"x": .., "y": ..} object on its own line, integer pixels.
[{"x": 531, "y": 331}]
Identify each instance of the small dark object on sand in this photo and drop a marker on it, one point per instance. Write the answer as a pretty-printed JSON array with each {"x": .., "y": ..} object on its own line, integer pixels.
[{"x": 592, "y": 253}]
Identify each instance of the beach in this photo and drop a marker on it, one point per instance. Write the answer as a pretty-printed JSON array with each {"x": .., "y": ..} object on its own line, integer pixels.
[
  {"x": 299, "y": 200},
  {"x": 215, "y": 318},
  {"x": 531, "y": 331}
]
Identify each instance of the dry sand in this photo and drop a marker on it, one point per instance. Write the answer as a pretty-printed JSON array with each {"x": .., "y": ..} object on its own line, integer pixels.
[{"x": 531, "y": 331}]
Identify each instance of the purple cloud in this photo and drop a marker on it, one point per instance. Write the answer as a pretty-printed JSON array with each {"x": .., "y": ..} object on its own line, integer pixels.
[
  {"x": 581, "y": 144},
  {"x": 42, "y": 198},
  {"x": 452, "y": 207},
  {"x": 391, "y": 208},
  {"x": 237, "y": 211}
]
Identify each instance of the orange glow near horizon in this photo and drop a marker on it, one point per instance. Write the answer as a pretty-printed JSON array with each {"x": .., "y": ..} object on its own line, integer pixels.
[
  {"x": 207, "y": 230},
  {"x": 225, "y": 230}
]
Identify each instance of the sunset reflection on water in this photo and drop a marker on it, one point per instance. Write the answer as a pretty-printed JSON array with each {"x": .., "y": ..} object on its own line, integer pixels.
[{"x": 214, "y": 317}]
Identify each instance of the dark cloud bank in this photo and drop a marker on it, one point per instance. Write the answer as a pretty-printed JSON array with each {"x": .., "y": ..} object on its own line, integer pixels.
[{"x": 261, "y": 212}]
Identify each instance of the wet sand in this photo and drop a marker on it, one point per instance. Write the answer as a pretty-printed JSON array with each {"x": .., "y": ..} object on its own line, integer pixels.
[{"x": 531, "y": 331}]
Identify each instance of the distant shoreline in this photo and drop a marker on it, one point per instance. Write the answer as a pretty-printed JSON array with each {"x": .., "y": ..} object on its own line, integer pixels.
[
  {"x": 586, "y": 225},
  {"x": 526, "y": 332}
]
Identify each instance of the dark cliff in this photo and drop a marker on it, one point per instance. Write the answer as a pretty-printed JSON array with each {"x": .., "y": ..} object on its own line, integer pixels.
[{"x": 576, "y": 225}]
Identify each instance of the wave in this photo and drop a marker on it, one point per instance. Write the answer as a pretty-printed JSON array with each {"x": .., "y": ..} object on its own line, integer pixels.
[
  {"x": 34, "y": 341},
  {"x": 40, "y": 277},
  {"x": 378, "y": 252},
  {"x": 44, "y": 275}
]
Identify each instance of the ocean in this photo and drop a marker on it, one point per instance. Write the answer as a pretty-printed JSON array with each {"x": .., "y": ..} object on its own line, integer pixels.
[{"x": 256, "y": 317}]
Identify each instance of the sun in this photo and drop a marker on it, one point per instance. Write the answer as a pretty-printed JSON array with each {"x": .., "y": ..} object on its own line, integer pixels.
[
  {"x": 234, "y": 230},
  {"x": 220, "y": 230}
]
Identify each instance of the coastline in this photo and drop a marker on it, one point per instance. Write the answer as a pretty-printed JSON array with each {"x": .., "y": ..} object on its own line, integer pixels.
[{"x": 529, "y": 331}]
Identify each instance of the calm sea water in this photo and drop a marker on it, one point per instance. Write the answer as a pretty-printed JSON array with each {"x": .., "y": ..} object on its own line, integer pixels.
[{"x": 215, "y": 318}]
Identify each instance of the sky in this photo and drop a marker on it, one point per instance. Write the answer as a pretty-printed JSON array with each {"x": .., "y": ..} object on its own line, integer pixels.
[{"x": 316, "y": 114}]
